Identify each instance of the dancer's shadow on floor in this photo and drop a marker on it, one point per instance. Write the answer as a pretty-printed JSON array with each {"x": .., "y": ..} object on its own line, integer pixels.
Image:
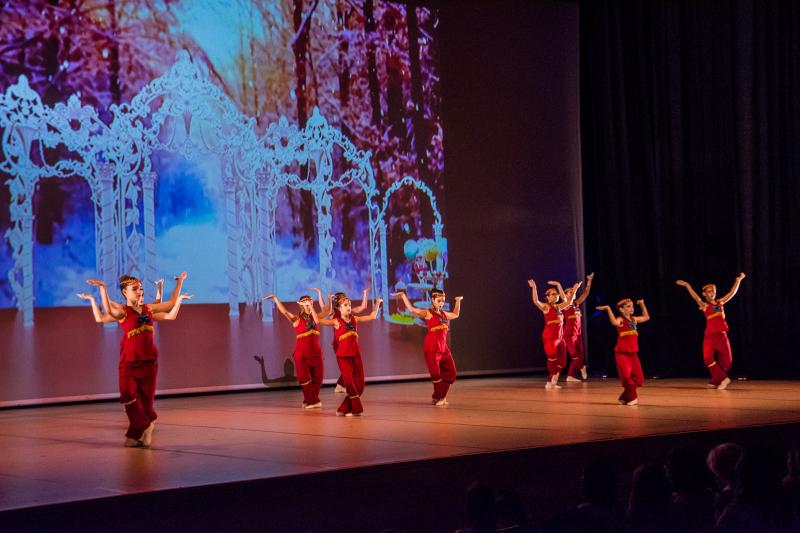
[{"x": 288, "y": 377}]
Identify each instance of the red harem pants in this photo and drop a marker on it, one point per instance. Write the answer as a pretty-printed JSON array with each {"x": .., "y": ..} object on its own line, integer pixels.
[
  {"x": 717, "y": 356},
  {"x": 352, "y": 370},
  {"x": 556, "y": 352},
  {"x": 575, "y": 351},
  {"x": 309, "y": 375},
  {"x": 630, "y": 374},
  {"x": 442, "y": 369},
  {"x": 137, "y": 391}
]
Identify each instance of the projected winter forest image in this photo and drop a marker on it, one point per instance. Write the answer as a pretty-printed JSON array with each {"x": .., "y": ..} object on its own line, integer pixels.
[{"x": 263, "y": 146}]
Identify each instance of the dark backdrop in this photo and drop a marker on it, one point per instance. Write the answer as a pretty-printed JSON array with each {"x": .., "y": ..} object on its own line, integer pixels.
[
  {"x": 690, "y": 120},
  {"x": 512, "y": 169}
]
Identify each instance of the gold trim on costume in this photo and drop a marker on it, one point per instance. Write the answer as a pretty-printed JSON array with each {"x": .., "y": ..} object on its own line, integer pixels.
[
  {"x": 554, "y": 322},
  {"x": 715, "y": 315},
  {"x": 348, "y": 334},
  {"x": 626, "y": 333},
  {"x": 307, "y": 333},
  {"x": 440, "y": 326},
  {"x": 140, "y": 329}
]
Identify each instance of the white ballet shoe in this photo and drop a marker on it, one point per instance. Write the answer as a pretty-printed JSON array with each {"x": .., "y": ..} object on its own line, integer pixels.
[
  {"x": 584, "y": 373},
  {"x": 147, "y": 436},
  {"x": 633, "y": 402},
  {"x": 312, "y": 405},
  {"x": 570, "y": 379},
  {"x": 340, "y": 389},
  {"x": 724, "y": 384}
]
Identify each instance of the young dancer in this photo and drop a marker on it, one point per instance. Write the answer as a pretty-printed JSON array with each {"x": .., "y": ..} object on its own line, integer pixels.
[
  {"x": 626, "y": 352},
  {"x": 573, "y": 335},
  {"x": 307, "y": 350},
  {"x": 138, "y": 366},
  {"x": 716, "y": 347},
  {"x": 438, "y": 358},
  {"x": 348, "y": 352},
  {"x": 327, "y": 309},
  {"x": 553, "y": 333}
]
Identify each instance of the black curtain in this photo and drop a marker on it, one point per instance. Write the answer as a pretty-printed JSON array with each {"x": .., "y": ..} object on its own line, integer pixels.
[{"x": 690, "y": 118}]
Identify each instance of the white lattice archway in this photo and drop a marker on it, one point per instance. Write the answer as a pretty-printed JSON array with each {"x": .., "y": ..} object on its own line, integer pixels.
[{"x": 180, "y": 112}]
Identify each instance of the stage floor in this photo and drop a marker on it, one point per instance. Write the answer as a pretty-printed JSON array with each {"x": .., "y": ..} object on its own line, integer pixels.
[{"x": 69, "y": 453}]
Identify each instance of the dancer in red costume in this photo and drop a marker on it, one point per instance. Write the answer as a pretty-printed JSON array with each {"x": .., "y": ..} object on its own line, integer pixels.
[
  {"x": 330, "y": 310},
  {"x": 573, "y": 334},
  {"x": 626, "y": 352},
  {"x": 307, "y": 350},
  {"x": 138, "y": 365},
  {"x": 716, "y": 348},
  {"x": 348, "y": 352},
  {"x": 438, "y": 358},
  {"x": 553, "y": 333}
]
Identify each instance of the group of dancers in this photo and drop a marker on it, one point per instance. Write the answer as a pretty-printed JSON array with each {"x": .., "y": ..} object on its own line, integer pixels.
[
  {"x": 138, "y": 366},
  {"x": 562, "y": 336}
]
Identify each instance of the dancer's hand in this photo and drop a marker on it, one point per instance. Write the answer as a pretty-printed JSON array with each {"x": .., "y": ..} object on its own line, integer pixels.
[
  {"x": 603, "y": 307},
  {"x": 181, "y": 276},
  {"x": 270, "y": 297},
  {"x": 640, "y": 302},
  {"x": 458, "y": 298},
  {"x": 96, "y": 282},
  {"x": 398, "y": 293},
  {"x": 318, "y": 291},
  {"x": 681, "y": 283},
  {"x": 84, "y": 296},
  {"x": 741, "y": 276},
  {"x": 186, "y": 296},
  {"x": 590, "y": 277},
  {"x": 531, "y": 284}
]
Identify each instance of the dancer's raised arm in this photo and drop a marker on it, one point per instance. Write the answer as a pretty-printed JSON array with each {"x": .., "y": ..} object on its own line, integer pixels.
[
  {"x": 734, "y": 289},
  {"x": 645, "y": 316},
  {"x": 173, "y": 313},
  {"x": 615, "y": 321},
  {"x": 567, "y": 301},
  {"x": 452, "y": 315},
  {"x": 543, "y": 307},
  {"x": 699, "y": 301},
  {"x": 372, "y": 316},
  {"x": 282, "y": 309},
  {"x": 159, "y": 291},
  {"x": 112, "y": 308},
  {"x": 421, "y": 313},
  {"x": 559, "y": 288},
  {"x": 176, "y": 292},
  {"x": 586, "y": 290},
  {"x": 364, "y": 302},
  {"x": 99, "y": 317}
]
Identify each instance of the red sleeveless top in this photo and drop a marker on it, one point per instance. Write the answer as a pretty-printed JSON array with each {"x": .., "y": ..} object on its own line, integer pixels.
[
  {"x": 715, "y": 318},
  {"x": 572, "y": 327},
  {"x": 137, "y": 339},
  {"x": 307, "y": 344},
  {"x": 553, "y": 324},
  {"x": 436, "y": 338},
  {"x": 346, "y": 338},
  {"x": 628, "y": 340}
]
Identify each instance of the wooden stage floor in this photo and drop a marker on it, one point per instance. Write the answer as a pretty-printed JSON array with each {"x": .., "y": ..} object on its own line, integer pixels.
[{"x": 74, "y": 452}]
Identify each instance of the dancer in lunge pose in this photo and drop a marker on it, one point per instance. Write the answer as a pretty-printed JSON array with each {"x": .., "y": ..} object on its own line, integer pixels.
[
  {"x": 138, "y": 365},
  {"x": 573, "y": 334},
  {"x": 307, "y": 350},
  {"x": 716, "y": 347},
  {"x": 438, "y": 358},
  {"x": 553, "y": 333},
  {"x": 348, "y": 352},
  {"x": 626, "y": 352},
  {"x": 329, "y": 308}
]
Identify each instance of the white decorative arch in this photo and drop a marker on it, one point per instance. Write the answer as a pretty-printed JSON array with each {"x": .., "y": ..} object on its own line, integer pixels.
[{"x": 181, "y": 112}]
